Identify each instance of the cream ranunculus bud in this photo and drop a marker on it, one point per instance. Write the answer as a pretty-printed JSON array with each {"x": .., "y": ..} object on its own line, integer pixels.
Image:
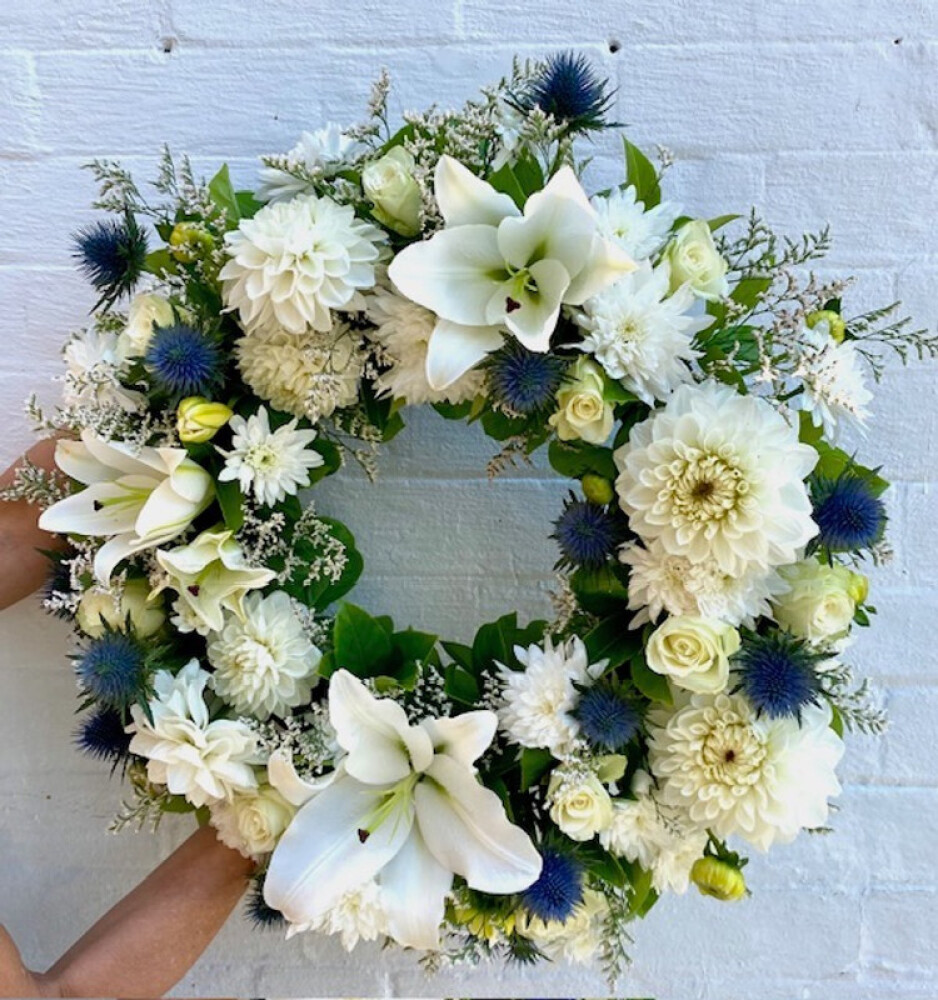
[
  {"x": 252, "y": 822},
  {"x": 145, "y": 312},
  {"x": 99, "y": 610},
  {"x": 389, "y": 185},
  {"x": 695, "y": 261},
  {"x": 582, "y": 411},
  {"x": 821, "y": 600},
  {"x": 199, "y": 420},
  {"x": 693, "y": 652},
  {"x": 580, "y": 807}
]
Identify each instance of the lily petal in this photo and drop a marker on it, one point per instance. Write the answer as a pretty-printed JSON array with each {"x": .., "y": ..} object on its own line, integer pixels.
[
  {"x": 99, "y": 509},
  {"x": 113, "y": 551},
  {"x": 454, "y": 349},
  {"x": 535, "y": 318},
  {"x": 321, "y": 855},
  {"x": 605, "y": 264},
  {"x": 414, "y": 887},
  {"x": 466, "y": 829},
  {"x": 463, "y": 737},
  {"x": 74, "y": 459},
  {"x": 465, "y": 199},
  {"x": 450, "y": 273},
  {"x": 281, "y": 775}
]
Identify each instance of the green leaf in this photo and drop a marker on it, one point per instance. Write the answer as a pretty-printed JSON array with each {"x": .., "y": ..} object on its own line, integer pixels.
[
  {"x": 332, "y": 460},
  {"x": 575, "y": 460},
  {"x": 459, "y": 653},
  {"x": 641, "y": 174},
  {"x": 748, "y": 291},
  {"x": 248, "y": 205},
  {"x": 529, "y": 173},
  {"x": 321, "y": 593},
  {"x": 600, "y": 591},
  {"x": 361, "y": 645},
  {"x": 454, "y": 411},
  {"x": 722, "y": 220},
  {"x": 461, "y": 686},
  {"x": 231, "y": 503},
  {"x": 837, "y": 721},
  {"x": 500, "y": 427},
  {"x": 493, "y": 642},
  {"x": 535, "y": 763},
  {"x": 652, "y": 685},
  {"x": 507, "y": 182},
  {"x": 613, "y": 640},
  {"x": 222, "y": 192},
  {"x": 411, "y": 645},
  {"x": 160, "y": 262},
  {"x": 640, "y": 880}
]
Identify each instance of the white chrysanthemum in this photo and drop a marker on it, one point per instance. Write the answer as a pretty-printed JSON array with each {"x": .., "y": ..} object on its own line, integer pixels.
[
  {"x": 403, "y": 330},
  {"x": 576, "y": 939},
  {"x": 252, "y": 822},
  {"x": 203, "y": 760},
  {"x": 264, "y": 664},
  {"x": 322, "y": 153},
  {"x": 359, "y": 915},
  {"x": 94, "y": 367},
  {"x": 309, "y": 376},
  {"x": 653, "y": 835},
  {"x": 835, "y": 391},
  {"x": 718, "y": 477},
  {"x": 271, "y": 464},
  {"x": 642, "y": 335},
  {"x": 539, "y": 699},
  {"x": 764, "y": 779},
  {"x": 660, "y": 582},
  {"x": 296, "y": 261},
  {"x": 623, "y": 219}
]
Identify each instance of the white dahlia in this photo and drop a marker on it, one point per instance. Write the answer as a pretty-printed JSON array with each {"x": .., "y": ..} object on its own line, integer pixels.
[
  {"x": 732, "y": 772},
  {"x": 576, "y": 939},
  {"x": 360, "y": 915},
  {"x": 296, "y": 261},
  {"x": 310, "y": 375},
  {"x": 94, "y": 371},
  {"x": 623, "y": 219},
  {"x": 539, "y": 700},
  {"x": 830, "y": 373},
  {"x": 264, "y": 663},
  {"x": 271, "y": 464},
  {"x": 718, "y": 477},
  {"x": 203, "y": 760},
  {"x": 641, "y": 334},
  {"x": 321, "y": 153},
  {"x": 660, "y": 582},
  {"x": 403, "y": 329}
]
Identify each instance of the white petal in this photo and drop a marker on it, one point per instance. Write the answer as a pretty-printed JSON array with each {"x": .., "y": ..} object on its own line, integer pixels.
[
  {"x": 414, "y": 887},
  {"x": 450, "y": 273},
  {"x": 606, "y": 263},
  {"x": 74, "y": 459},
  {"x": 466, "y": 829},
  {"x": 463, "y": 737},
  {"x": 455, "y": 349},
  {"x": 165, "y": 513},
  {"x": 321, "y": 856},
  {"x": 112, "y": 552},
  {"x": 465, "y": 199},
  {"x": 536, "y": 319},
  {"x": 117, "y": 455},
  {"x": 88, "y": 513},
  {"x": 281, "y": 774}
]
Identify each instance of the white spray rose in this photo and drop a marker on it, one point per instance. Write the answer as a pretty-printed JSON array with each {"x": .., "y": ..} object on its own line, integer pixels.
[
  {"x": 582, "y": 411},
  {"x": 146, "y": 310},
  {"x": 821, "y": 599},
  {"x": 100, "y": 609},
  {"x": 695, "y": 261},
  {"x": 693, "y": 652},
  {"x": 579, "y": 807},
  {"x": 389, "y": 185},
  {"x": 252, "y": 822}
]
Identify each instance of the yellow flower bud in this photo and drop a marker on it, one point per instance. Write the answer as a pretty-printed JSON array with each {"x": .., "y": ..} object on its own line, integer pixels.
[
  {"x": 835, "y": 323},
  {"x": 199, "y": 420},
  {"x": 597, "y": 489},
  {"x": 859, "y": 587},
  {"x": 719, "y": 879},
  {"x": 188, "y": 241}
]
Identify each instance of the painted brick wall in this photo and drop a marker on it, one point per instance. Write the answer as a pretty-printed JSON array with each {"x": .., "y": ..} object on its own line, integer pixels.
[{"x": 818, "y": 112}]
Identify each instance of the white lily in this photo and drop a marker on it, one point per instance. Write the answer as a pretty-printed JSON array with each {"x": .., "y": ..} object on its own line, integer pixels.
[
  {"x": 405, "y": 807},
  {"x": 141, "y": 498},
  {"x": 211, "y": 574},
  {"x": 494, "y": 267}
]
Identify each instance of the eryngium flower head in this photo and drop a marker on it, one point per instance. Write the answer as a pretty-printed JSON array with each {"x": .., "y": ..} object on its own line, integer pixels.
[
  {"x": 558, "y": 889},
  {"x": 777, "y": 672},
  {"x": 587, "y": 534},
  {"x": 567, "y": 89},
  {"x": 183, "y": 361},
  {"x": 849, "y": 514},
  {"x": 102, "y": 736},
  {"x": 607, "y": 719},
  {"x": 524, "y": 382},
  {"x": 113, "y": 669},
  {"x": 111, "y": 254}
]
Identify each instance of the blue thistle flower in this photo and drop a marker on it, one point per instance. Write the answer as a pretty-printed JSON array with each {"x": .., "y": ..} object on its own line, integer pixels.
[
  {"x": 183, "y": 361},
  {"x": 567, "y": 89},
  {"x": 777, "y": 673},
  {"x": 522, "y": 381},
  {"x": 113, "y": 669},
  {"x": 101, "y": 735},
  {"x": 607, "y": 719},
  {"x": 558, "y": 889},
  {"x": 111, "y": 255},
  {"x": 260, "y": 914},
  {"x": 587, "y": 534},
  {"x": 849, "y": 514}
]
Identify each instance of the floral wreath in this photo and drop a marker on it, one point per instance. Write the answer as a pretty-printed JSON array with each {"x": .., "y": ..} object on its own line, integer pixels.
[{"x": 529, "y": 794}]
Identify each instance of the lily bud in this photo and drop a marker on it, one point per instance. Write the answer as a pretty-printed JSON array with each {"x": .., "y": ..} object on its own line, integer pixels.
[
  {"x": 199, "y": 420},
  {"x": 719, "y": 879}
]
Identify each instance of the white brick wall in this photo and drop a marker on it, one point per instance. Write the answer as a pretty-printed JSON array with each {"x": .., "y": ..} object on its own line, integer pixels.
[{"x": 818, "y": 111}]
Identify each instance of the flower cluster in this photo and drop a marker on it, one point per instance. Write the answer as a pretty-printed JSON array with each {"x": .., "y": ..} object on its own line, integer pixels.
[{"x": 529, "y": 794}]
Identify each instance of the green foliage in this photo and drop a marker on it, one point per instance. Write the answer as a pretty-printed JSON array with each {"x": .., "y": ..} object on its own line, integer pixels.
[
  {"x": 641, "y": 174},
  {"x": 613, "y": 640},
  {"x": 222, "y": 193},
  {"x": 369, "y": 647},
  {"x": 602, "y": 591},
  {"x": 575, "y": 459},
  {"x": 653, "y": 686}
]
